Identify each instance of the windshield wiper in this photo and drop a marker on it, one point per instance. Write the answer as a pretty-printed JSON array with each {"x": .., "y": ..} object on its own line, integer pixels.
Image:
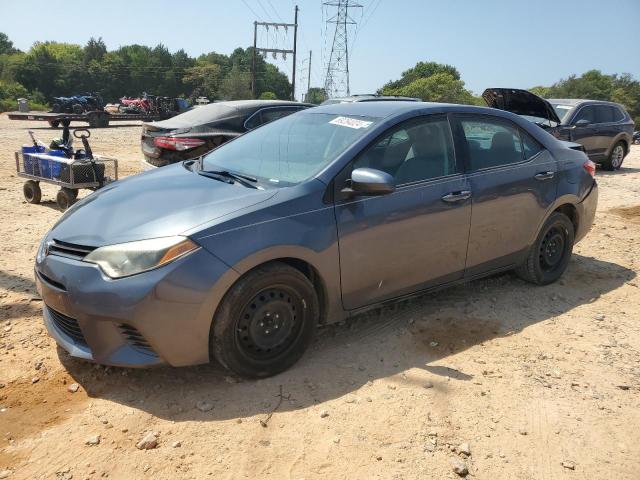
[
  {"x": 245, "y": 180},
  {"x": 215, "y": 176}
]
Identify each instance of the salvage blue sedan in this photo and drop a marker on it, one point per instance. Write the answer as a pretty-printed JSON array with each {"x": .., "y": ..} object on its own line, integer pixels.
[{"x": 239, "y": 255}]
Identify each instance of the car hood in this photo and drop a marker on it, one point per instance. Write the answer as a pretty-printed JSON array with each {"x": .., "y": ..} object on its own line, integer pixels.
[
  {"x": 163, "y": 202},
  {"x": 520, "y": 102}
]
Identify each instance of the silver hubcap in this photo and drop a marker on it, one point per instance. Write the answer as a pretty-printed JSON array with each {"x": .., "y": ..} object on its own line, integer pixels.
[{"x": 617, "y": 155}]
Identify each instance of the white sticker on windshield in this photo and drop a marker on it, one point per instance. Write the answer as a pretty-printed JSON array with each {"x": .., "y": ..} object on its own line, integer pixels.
[{"x": 350, "y": 122}]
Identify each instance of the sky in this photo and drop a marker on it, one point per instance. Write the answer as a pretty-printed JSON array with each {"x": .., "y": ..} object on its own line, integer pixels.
[{"x": 493, "y": 43}]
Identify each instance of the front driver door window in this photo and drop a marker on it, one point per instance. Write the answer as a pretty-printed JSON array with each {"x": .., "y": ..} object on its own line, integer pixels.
[{"x": 411, "y": 239}]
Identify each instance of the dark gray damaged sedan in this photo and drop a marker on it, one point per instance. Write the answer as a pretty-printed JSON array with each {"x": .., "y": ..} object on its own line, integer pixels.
[{"x": 239, "y": 256}]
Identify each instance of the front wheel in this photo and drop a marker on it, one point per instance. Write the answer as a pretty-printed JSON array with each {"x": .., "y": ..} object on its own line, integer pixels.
[
  {"x": 616, "y": 157},
  {"x": 265, "y": 322},
  {"x": 549, "y": 255}
]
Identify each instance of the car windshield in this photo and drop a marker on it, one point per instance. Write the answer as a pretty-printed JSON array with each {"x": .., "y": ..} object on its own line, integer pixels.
[
  {"x": 289, "y": 150},
  {"x": 561, "y": 110}
]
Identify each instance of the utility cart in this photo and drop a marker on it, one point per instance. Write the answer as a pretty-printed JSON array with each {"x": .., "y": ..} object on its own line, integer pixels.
[{"x": 70, "y": 174}]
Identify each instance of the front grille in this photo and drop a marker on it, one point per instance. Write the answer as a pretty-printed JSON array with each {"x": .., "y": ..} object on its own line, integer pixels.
[
  {"x": 136, "y": 340},
  {"x": 66, "y": 249},
  {"x": 68, "y": 325}
]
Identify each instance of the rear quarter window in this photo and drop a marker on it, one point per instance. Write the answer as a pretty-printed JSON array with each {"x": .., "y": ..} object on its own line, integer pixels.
[{"x": 530, "y": 145}]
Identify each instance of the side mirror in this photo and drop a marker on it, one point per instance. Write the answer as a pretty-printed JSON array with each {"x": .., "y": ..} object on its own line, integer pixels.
[
  {"x": 582, "y": 123},
  {"x": 369, "y": 181}
]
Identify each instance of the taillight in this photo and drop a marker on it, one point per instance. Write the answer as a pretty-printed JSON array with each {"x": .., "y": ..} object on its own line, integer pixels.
[
  {"x": 180, "y": 144},
  {"x": 590, "y": 167}
]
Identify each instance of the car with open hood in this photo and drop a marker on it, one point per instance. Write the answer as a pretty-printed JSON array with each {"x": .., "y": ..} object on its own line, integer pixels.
[
  {"x": 239, "y": 255},
  {"x": 604, "y": 129},
  {"x": 203, "y": 128}
]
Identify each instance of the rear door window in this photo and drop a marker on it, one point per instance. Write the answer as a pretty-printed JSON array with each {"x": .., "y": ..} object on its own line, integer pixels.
[
  {"x": 604, "y": 114},
  {"x": 493, "y": 142}
]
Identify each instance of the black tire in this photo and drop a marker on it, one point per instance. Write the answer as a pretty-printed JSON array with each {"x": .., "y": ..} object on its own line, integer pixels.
[
  {"x": 71, "y": 193},
  {"x": 54, "y": 123},
  {"x": 265, "y": 322},
  {"x": 550, "y": 254},
  {"x": 77, "y": 108},
  {"x": 65, "y": 198},
  {"x": 56, "y": 108},
  {"x": 32, "y": 192},
  {"x": 616, "y": 157}
]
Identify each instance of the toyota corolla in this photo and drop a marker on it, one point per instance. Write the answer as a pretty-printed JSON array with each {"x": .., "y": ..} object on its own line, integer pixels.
[{"x": 238, "y": 256}]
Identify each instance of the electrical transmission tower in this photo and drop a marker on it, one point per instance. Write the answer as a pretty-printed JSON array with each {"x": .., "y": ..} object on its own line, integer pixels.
[{"x": 336, "y": 83}]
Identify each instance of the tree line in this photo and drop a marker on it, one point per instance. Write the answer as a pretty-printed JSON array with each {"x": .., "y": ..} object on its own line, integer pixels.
[{"x": 51, "y": 69}]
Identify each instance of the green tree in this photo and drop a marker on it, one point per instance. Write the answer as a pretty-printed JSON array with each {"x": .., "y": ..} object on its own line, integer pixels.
[
  {"x": 316, "y": 95},
  {"x": 236, "y": 84},
  {"x": 204, "y": 80},
  {"x": 421, "y": 70},
  {"x": 595, "y": 85},
  {"x": 6, "y": 45},
  {"x": 440, "y": 87},
  {"x": 268, "y": 96}
]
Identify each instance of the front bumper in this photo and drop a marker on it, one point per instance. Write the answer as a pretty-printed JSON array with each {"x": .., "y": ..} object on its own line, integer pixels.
[
  {"x": 586, "y": 213},
  {"x": 156, "y": 317}
]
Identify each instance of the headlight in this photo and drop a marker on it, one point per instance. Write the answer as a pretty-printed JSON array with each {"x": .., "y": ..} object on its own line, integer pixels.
[
  {"x": 41, "y": 250},
  {"x": 124, "y": 259}
]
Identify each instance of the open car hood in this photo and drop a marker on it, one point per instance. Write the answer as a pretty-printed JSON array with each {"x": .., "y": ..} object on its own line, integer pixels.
[{"x": 520, "y": 102}]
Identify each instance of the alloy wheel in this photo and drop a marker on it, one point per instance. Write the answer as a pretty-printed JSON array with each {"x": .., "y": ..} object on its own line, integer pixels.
[{"x": 616, "y": 156}]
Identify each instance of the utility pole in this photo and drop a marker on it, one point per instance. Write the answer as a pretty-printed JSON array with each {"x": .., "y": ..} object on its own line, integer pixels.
[
  {"x": 254, "y": 89},
  {"x": 274, "y": 51},
  {"x": 309, "y": 73},
  {"x": 295, "y": 50},
  {"x": 336, "y": 83}
]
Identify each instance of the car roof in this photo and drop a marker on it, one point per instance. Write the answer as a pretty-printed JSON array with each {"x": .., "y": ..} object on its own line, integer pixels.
[
  {"x": 241, "y": 105},
  {"x": 222, "y": 110},
  {"x": 579, "y": 101},
  {"x": 369, "y": 97},
  {"x": 382, "y": 108}
]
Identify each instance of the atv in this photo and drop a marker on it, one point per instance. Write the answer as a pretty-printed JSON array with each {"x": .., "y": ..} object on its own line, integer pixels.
[{"x": 87, "y": 102}]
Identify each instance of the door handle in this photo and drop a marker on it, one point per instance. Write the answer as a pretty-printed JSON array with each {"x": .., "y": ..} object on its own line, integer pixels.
[
  {"x": 544, "y": 175},
  {"x": 454, "y": 197}
]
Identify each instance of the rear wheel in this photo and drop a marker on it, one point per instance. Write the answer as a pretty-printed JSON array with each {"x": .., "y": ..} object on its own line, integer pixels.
[
  {"x": 77, "y": 108},
  {"x": 265, "y": 322},
  {"x": 616, "y": 157},
  {"x": 550, "y": 254},
  {"x": 56, "y": 108},
  {"x": 65, "y": 198},
  {"x": 31, "y": 191}
]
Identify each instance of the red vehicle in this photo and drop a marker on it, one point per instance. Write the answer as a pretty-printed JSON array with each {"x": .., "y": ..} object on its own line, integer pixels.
[{"x": 137, "y": 105}]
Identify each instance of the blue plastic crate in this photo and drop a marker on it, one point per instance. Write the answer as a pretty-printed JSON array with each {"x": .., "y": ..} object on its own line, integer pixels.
[{"x": 29, "y": 163}]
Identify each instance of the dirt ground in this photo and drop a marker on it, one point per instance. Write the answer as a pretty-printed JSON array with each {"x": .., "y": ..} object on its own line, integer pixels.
[{"x": 539, "y": 382}]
